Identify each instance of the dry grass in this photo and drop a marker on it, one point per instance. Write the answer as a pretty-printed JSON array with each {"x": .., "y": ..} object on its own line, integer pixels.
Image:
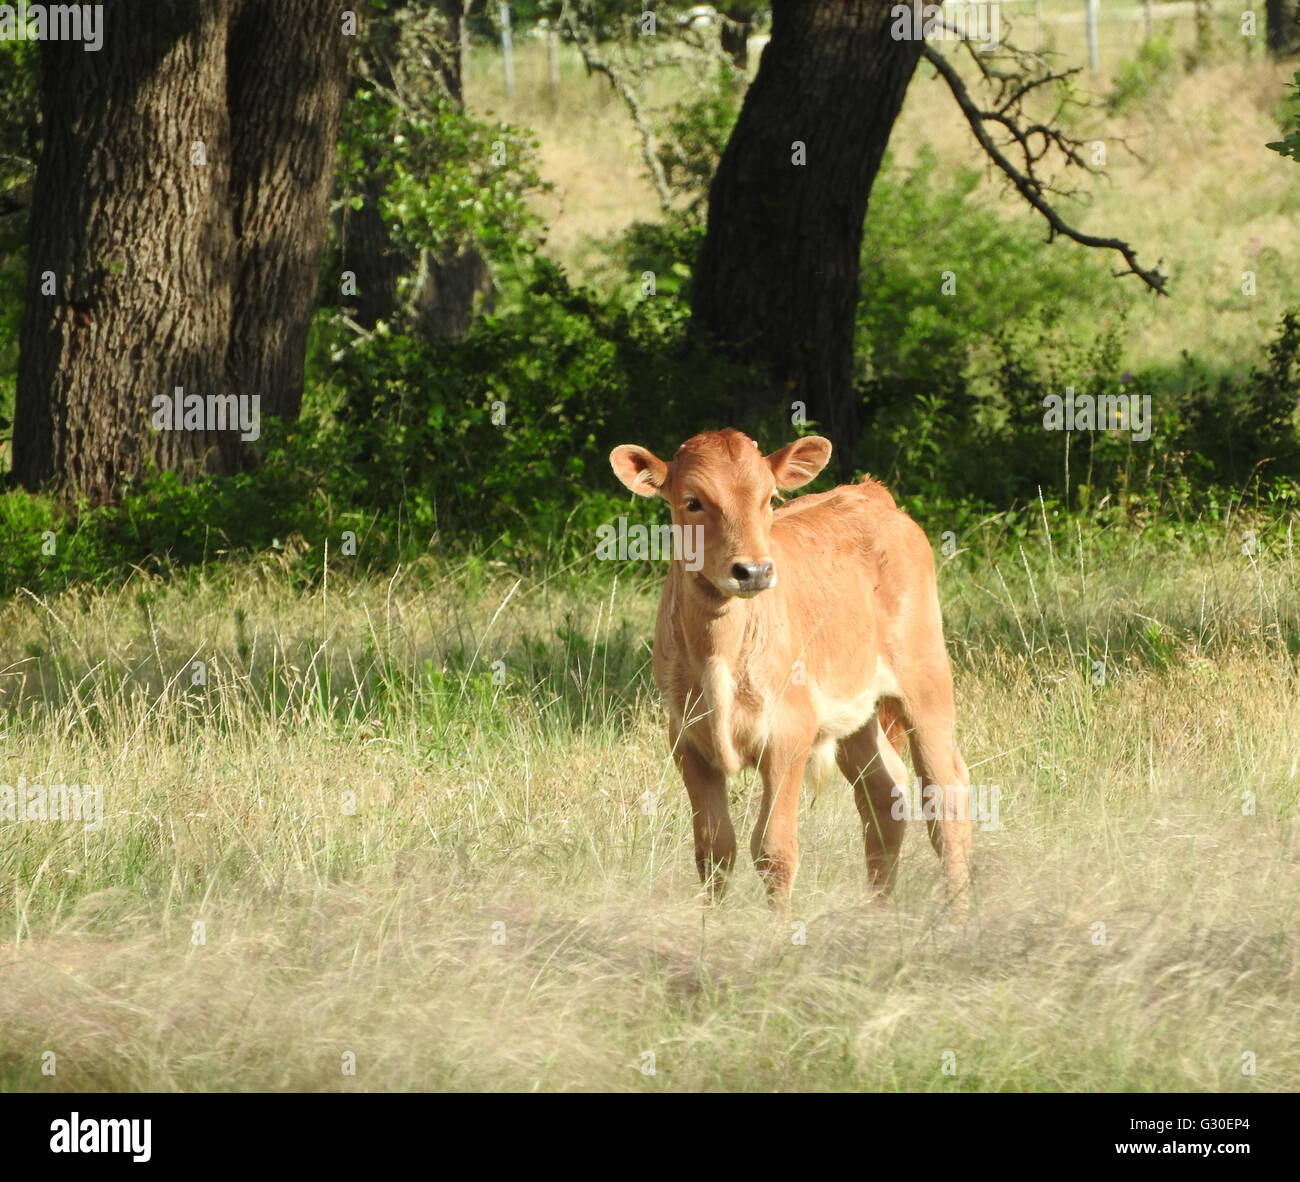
[
  {"x": 496, "y": 908},
  {"x": 587, "y": 147}
]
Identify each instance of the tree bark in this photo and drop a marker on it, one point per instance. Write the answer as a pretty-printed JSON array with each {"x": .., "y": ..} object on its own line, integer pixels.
[
  {"x": 735, "y": 33},
  {"x": 1282, "y": 21},
  {"x": 366, "y": 248},
  {"x": 284, "y": 128},
  {"x": 450, "y": 65},
  {"x": 179, "y": 213},
  {"x": 777, "y": 280},
  {"x": 137, "y": 242}
]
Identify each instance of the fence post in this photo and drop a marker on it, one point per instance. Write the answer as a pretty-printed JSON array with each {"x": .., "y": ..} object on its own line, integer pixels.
[
  {"x": 1204, "y": 28},
  {"x": 1091, "y": 8},
  {"x": 1150, "y": 19},
  {"x": 507, "y": 48},
  {"x": 553, "y": 56}
]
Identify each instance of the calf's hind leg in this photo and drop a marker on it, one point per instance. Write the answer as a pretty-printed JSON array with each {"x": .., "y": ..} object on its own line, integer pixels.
[
  {"x": 945, "y": 783},
  {"x": 872, "y": 765}
]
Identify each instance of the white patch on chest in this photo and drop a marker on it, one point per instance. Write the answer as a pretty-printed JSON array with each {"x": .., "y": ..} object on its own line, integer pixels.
[
  {"x": 719, "y": 688},
  {"x": 731, "y": 727},
  {"x": 839, "y": 717}
]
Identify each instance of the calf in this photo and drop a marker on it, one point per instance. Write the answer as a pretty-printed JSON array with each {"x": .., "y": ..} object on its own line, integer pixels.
[{"x": 808, "y": 632}]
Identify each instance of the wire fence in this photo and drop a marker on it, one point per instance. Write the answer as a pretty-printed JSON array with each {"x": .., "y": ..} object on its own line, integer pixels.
[{"x": 1100, "y": 34}]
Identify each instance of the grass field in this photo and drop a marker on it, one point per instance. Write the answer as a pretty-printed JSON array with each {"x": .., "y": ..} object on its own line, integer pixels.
[
  {"x": 465, "y": 885},
  {"x": 421, "y": 831}
]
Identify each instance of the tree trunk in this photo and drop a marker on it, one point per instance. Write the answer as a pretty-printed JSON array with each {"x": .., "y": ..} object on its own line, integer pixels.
[
  {"x": 735, "y": 34},
  {"x": 449, "y": 288},
  {"x": 178, "y": 213},
  {"x": 1282, "y": 19},
  {"x": 777, "y": 281},
  {"x": 136, "y": 240},
  {"x": 367, "y": 249},
  {"x": 450, "y": 63},
  {"x": 284, "y": 129}
]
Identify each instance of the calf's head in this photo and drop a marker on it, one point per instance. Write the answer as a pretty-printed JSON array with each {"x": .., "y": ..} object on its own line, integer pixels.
[{"x": 721, "y": 485}]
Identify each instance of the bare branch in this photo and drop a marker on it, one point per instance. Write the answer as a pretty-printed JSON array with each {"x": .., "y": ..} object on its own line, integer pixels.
[
  {"x": 1027, "y": 183},
  {"x": 596, "y": 64},
  {"x": 695, "y": 56}
]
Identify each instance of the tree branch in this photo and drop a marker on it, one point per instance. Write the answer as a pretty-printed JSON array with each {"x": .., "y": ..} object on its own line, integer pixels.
[
  {"x": 596, "y": 64},
  {"x": 1032, "y": 188}
]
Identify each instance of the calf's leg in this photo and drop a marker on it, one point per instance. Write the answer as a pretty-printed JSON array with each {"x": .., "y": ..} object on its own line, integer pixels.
[
  {"x": 945, "y": 786},
  {"x": 871, "y": 764},
  {"x": 775, "y": 843},
  {"x": 715, "y": 837}
]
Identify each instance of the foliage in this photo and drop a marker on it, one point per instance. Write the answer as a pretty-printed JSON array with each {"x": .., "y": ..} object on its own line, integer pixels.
[
  {"x": 165, "y": 521},
  {"x": 506, "y": 432},
  {"x": 693, "y": 137},
  {"x": 443, "y": 177},
  {"x": 942, "y": 273},
  {"x": 496, "y": 444},
  {"x": 1289, "y": 144},
  {"x": 19, "y": 132}
]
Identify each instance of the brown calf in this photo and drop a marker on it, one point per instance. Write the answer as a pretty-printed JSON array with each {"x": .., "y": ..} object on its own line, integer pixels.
[{"x": 808, "y": 631}]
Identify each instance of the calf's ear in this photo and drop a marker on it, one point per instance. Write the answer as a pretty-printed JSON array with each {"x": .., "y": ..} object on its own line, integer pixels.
[
  {"x": 799, "y": 462},
  {"x": 641, "y": 470}
]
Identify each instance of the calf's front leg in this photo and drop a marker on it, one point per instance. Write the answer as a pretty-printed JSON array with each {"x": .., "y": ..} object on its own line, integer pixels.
[
  {"x": 775, "y": 844},
  {"x": 715, "y": 837}
]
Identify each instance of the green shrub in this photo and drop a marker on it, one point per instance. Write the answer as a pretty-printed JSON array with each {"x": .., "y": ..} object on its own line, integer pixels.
[
  {"x": 444, "y": 178},
  {"x": 495, "y": 446},
  {"x": 505, "y": 434},
  {"x": 165, "y": 522},
  {"x": 1289, "y": 144}
]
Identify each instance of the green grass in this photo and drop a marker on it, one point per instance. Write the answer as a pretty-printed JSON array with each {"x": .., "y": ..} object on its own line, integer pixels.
[{"x": 466, "y": 885}]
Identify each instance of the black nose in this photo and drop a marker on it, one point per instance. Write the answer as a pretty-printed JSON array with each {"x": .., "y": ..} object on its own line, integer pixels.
[{"x": 752, "y": 572}]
